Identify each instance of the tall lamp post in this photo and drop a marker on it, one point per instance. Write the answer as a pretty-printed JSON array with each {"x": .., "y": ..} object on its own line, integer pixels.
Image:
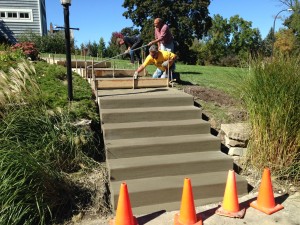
[
  {"x": 66, "y": 4},
  {"x": 273, "y": 38}
]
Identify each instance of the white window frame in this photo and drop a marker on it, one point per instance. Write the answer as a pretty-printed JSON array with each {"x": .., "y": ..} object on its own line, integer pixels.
[{"x": 18, "y": 11}]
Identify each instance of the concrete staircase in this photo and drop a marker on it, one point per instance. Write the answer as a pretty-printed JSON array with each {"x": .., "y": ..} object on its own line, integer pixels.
[{"x": 155, "y": 138}]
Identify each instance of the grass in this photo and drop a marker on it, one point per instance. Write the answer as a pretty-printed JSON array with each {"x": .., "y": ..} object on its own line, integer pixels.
[
  {"x": 271, "y": 94},
  {"x": 223, "y": 79},
  {"x": 220, "y": 78},
  {"x": 41, "y": 144},
  {"x": 31, "y": 191}
]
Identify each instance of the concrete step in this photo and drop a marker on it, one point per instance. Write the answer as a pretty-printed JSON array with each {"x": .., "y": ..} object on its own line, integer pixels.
[
  {"x": 143, "y": 100},
  {"x": 168, "y": 165},
  {"x": 127, "y": 115},
  {"x": 136, "y": 147},
  {"x": 114, "y": 131},
  {"x": 166, "y": 191}
]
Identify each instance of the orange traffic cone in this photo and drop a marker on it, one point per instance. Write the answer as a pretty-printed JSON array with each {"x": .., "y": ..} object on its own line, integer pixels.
[
  {"x": 230, "y": 206},
  {"x": 265, "y": 200},
  {"x": 187, "y": 215},
  {"x": 124, "y": 212}
]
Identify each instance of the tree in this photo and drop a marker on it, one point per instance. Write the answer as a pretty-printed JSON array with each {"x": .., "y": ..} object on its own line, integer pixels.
[
  {"x": 129, "y": 31},
  {"x": 92, "y": 48},
  {"x": 245, "y": 39},
  {"x": 267, "y": 44},
  {"x": 230, "y": 41},
  {"x": 218, "y": 40},
  {"x": 293, "y": 21},
  {"x": 188, "y": 19},
  {"x": 113, "y": 48},
  {"x": 285, "y": 41},
  {"x": 101, "y": 48}
]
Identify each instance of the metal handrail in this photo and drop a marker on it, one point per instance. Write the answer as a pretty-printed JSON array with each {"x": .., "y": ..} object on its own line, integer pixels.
[{"x": 115, "y": 56}]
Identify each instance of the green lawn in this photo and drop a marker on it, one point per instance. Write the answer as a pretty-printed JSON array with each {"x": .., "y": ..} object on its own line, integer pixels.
[{"x": 221, "y": 78}]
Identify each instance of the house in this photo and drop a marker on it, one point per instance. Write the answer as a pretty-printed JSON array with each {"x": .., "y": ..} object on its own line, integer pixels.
[{"x": 21, "y": 16}]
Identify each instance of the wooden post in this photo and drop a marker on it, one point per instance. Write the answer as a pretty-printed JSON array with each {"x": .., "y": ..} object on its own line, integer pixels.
[
  {"x": 76, "y": 61},
  {"x": 113, "y": 69},
  {"x": 94, "y": 81}
]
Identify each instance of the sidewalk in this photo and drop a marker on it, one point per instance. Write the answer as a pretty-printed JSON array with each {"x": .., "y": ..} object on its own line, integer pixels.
[{"x": 288, "y": 216}]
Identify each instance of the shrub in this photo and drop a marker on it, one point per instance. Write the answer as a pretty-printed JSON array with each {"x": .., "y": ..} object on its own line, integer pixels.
[{"x": 28, "y": 48}]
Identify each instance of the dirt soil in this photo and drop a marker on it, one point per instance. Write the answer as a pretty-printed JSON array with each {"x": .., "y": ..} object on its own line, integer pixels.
[
  {"x": 286, "y": 194},
  {"x": 231, "y": 108},
  {"x": 210, "y": 95}
]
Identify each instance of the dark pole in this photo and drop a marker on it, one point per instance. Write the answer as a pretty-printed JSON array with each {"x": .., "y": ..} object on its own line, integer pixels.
[{"x": 68, "y": 52}]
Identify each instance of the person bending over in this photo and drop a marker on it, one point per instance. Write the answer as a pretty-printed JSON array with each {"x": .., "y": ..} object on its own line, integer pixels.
[
  {"x": 131, "y": 44},
  {"x": 163, "y": 60}
]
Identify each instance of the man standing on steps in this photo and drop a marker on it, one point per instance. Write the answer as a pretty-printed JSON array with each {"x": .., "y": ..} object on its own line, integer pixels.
[
  {"x": 163, "y": 36},
  {"x": 163, "y": 60},
  {"x": 131, "y": 44}
]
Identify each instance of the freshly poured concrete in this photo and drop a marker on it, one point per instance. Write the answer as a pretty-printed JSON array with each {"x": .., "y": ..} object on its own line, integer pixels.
[{"x": 154, "y": 138}]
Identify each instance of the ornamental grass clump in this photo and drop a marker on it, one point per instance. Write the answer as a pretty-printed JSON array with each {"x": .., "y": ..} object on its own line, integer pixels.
[
  {"x": 40, "y": 147},
  {"x": 31, "y": 191},
  {"x": 18, "y": 86},
  {"x": 271, "y": 94}
]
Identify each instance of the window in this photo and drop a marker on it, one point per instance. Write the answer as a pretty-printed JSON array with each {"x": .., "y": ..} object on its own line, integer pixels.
[
  {"x": 16, "y": 15},
  {"x": 12, "y": 15},
  {"x": 24, "y": 15}
]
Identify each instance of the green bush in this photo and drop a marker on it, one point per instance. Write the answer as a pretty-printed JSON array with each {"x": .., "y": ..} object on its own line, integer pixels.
[
  {"x": 271, "y": 94},
  {"x": 11, "y": 55},
  {"x": 54, "y": 43},
  {"x": 27, "y": 48}
]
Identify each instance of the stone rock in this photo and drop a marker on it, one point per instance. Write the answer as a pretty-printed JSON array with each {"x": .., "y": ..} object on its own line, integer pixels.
[
  {"x": 234, "y": 143},
  {"x": 235, "y": 151},
  {"x": 236, "y": 131}
]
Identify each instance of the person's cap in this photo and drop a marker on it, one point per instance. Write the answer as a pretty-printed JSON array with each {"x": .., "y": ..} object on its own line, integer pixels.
[{"x": 153, "y": 48}]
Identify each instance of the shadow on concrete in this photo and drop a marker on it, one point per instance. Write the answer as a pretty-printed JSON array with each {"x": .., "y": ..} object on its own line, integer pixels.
[
  {"x": 211, "y": 212},
  {"x": 281, "y": 199},
  {"x": 208, "y": 213},
  {"x": 146, "y": 218}
]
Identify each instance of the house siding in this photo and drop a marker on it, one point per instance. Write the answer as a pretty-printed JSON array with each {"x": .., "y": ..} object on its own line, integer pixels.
[{"x": 13, "y": 29}]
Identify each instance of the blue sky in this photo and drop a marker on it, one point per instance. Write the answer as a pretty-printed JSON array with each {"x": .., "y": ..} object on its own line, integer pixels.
[{"x": 99, "y": 18}]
